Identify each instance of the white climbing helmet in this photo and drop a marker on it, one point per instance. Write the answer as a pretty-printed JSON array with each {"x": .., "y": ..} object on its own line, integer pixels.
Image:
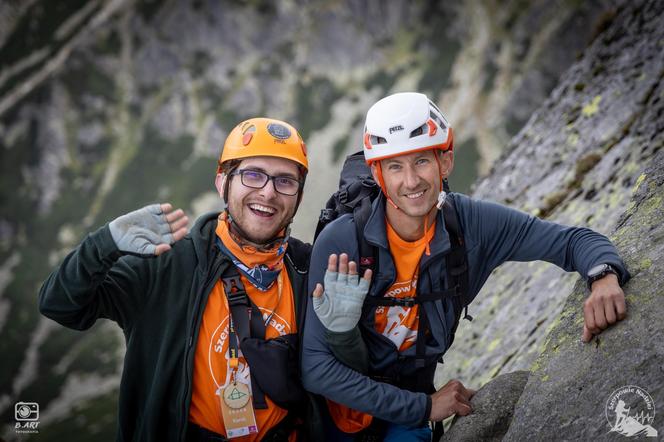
[{"x": 404, "y": 123}]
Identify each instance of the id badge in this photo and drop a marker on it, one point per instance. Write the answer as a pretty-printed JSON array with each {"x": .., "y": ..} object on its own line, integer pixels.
[{"x": 237, "y": 410}]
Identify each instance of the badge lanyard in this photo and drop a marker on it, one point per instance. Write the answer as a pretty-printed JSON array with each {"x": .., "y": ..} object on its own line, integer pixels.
[
  {"x": 236, "y": 400},
  {"x": 233, "y": 348}
]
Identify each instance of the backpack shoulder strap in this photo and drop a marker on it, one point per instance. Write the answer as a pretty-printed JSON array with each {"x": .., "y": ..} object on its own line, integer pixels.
[
  {"x": 297, "y": 266},
  {"x": 240, "y": 305},
  {"x": 457, "y": 274},
  {"x": 299, "y": 253},
  {"x": 457, "y": 264},
  {"x": 367, "y": 252}
]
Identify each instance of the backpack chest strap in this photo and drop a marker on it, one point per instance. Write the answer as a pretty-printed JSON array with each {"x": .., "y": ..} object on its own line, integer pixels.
[{"x": 375, "y": 301}]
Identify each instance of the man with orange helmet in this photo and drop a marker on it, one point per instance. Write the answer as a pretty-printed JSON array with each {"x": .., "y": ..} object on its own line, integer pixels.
[
  {"x": 212, "y": 316},
  {"x": 432, "y": 252}
]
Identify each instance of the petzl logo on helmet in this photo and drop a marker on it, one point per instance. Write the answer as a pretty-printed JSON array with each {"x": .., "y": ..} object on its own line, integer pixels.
[
  {"x": 630, "y": 411},
  {"x": 395, "y": 128},
  {"x": 279, "y": 131}
]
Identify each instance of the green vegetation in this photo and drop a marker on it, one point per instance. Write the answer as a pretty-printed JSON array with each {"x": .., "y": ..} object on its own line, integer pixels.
[
  {"x": 437, "y": 48},
  {"x": 34, "y": 32},
  {"x": 137, "y": 183},
  {"x": 91, "y": 419},
  {"x": 313, "y": 99},
  {"x": 340, "y": 147},
  {"x": 466, "y": 158}
]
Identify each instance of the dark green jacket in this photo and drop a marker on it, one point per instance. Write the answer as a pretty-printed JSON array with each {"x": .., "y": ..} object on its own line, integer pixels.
[{"x": 158, "y": 302}]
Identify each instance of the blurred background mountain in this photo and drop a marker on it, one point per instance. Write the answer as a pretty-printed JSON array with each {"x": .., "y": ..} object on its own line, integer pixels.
[{"x": 106, "y": 106}]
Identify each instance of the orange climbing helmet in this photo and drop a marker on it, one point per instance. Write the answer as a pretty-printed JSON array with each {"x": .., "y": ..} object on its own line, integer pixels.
[{"x": 264, "y": 137}]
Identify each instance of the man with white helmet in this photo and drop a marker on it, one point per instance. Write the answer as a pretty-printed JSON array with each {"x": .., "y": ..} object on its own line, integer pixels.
[
  {"x": 430, "y": 251},
  {"x": 212, "y": 319}
]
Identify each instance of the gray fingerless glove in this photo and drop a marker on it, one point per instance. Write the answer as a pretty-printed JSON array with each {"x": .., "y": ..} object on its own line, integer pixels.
[
  {"x": 141, "y": 231},
  {"x": 340, "y": 307}
]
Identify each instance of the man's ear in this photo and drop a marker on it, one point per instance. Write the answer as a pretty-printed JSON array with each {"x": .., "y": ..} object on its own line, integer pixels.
[
  {"x": 446, "y": 163},
  {"x": 374, "y": 172},
  {"x": 219, "y": 183}
]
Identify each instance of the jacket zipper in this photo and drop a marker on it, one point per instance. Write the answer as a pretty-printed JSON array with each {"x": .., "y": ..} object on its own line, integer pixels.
[{"x": 212, "y": 277}]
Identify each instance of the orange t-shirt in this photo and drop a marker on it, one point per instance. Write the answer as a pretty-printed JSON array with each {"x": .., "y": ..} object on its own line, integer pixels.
[
  {"x": 211, "y": 360},
  {"x": 398, "y": 324}
]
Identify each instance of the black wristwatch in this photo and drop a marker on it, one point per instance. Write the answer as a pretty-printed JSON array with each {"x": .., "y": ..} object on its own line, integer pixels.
[{"x": 599, "y": 272}]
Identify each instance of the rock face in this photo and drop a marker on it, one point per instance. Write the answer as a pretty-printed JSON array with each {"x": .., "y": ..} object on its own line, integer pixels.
[
  {"x": 571, "y": 383},
  {"x": 594, "y": 156},
  {"x": 576, "y": 162},
  {"x": 108, "y": 105},
  {"x": 493, "y": 408}
]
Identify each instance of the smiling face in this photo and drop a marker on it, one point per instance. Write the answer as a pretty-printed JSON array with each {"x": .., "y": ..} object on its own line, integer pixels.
[
  {"x": 260, "y": 213},
  {"x": 412, "y": 182}
]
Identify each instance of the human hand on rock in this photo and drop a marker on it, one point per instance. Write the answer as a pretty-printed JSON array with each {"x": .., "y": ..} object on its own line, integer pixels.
[
  {"x": 338, "y": 304},
  {"x": 605, "y": 306},
  {"x": 453, "y": 398},
  {"x": 149, "y": 231}
]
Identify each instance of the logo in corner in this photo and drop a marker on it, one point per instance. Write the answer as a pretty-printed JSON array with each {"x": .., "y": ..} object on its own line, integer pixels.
[
  {"x": 26, "y": 415},
  {"x": 630, "y": 411}
]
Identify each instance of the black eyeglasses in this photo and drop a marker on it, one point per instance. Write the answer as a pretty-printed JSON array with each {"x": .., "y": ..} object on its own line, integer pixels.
[{"x": 257, "y": 180}]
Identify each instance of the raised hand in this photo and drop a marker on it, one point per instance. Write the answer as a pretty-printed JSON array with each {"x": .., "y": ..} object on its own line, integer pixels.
[
  {"x": 338, "y": 305},
  {"x": 149, "y": 231}
]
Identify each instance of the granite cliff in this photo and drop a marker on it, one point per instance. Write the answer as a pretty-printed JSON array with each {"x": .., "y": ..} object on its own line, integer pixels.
[{"x": 593, "y": 155}]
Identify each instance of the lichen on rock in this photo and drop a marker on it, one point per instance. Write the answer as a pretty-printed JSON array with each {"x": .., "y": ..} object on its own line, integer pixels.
[{"x": 616, "y": 190}]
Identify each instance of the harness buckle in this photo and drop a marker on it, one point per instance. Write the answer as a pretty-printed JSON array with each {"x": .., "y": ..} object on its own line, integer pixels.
[
  {"x": 368, "y": 182},
  {"x": 405, "y": 302},
  {"x": 235, "y": 291},
  {"x": 326, "y": 215},
  {"x": 237, "y": 298},
  {"x": 343, "y": 196}
]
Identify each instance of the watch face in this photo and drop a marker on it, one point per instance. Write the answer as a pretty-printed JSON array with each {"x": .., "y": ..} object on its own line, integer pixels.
[{"x": 598, "y": 269}]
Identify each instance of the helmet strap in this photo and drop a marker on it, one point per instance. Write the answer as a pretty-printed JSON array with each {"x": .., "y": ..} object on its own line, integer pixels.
[
  {"x": 229, "y": 177},
  {"x": 427, "y": 249},
  {"x": 440, "y": 168},
  {"x": 444, "y": 187}
]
